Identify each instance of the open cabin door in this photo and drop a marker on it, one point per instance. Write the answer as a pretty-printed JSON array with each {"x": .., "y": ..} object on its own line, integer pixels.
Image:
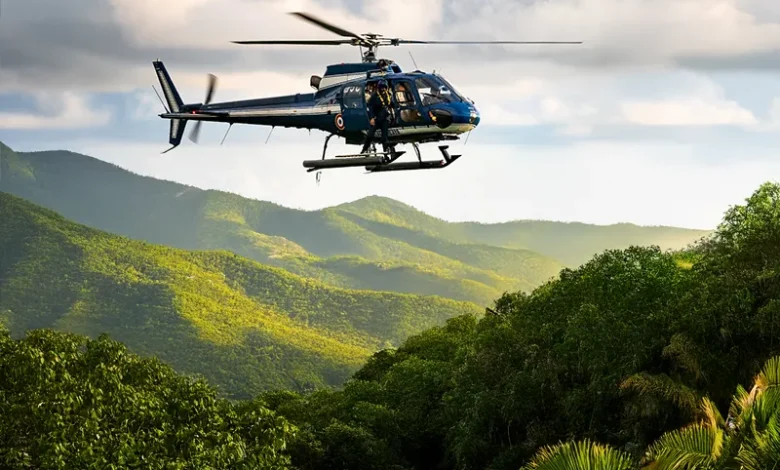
[{"x": 353, "y": 107}]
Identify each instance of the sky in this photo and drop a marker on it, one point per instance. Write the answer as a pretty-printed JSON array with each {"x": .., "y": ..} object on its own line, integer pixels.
[{"x": 667, "y": 114}]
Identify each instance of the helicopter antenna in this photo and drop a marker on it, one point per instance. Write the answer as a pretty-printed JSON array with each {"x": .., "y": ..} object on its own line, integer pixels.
[
  {"x": 161, "y": 100},
  {"x": 371, "y": 41},
  {"x": 413, "y": 61}
]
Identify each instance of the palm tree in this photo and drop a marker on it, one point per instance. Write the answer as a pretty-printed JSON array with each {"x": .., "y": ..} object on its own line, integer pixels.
[
  {"x": 705, "y": 445},
  {"x": 748, "y": 439}
]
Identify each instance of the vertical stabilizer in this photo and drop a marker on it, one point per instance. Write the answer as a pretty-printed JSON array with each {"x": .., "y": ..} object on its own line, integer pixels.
[{"x": 174, "y": 101}]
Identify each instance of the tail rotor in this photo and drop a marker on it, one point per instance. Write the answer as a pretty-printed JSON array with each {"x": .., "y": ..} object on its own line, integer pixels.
[{"x": 195, "y": 134}]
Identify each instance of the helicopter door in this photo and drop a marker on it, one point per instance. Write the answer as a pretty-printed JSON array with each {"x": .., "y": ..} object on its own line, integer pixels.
[
  {"x": 408, "y": 106},
  {"x": 353, "y": 107}
]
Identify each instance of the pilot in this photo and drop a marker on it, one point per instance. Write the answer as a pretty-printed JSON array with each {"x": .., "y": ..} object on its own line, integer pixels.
[
  {"x": 403, "y": 98},
  {"x": 380, "y": 112}
]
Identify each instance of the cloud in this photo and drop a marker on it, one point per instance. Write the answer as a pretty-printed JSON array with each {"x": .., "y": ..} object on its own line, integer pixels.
[
  {"x": 626, "y": 74},
  {"x": 108, "y": 44},
  {"x": 690, "y": 112},
  {"x": 56, "y": 111}
]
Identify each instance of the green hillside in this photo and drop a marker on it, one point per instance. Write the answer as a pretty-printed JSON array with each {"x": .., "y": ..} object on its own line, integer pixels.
[
  {"x": 374, "y": 243},
  {"x": 245, "y": 326},
  {"x": 637, "y": 359},
  {"x": 572, "y": 243},
  {"x": 329, "y": 245}
]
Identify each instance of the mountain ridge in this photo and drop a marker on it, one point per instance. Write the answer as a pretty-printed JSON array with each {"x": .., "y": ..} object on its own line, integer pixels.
[
  {"x": 355, "y": 244},
  {"x": 321, "y": 244}
]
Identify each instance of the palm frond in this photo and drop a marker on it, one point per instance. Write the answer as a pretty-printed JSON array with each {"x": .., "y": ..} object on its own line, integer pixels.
[
  {"x": 769, "y": 377},
  {"x": 663, "y": 387},
  {"x": 580, "y": 455},
  {"x": 762, "y": 450},
  {"x": 710, "y": 414},
  {"x": 696, "y": 447}
]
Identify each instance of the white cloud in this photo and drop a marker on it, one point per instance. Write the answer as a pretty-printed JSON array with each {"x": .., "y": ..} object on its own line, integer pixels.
[
  {"x": 65, "y": 110},
  {"x": 632, "y": 31},
  {"x": 193, "y": 23},
  {"x": 690, "y": 112},
  {"x": 498, "y": 115}
]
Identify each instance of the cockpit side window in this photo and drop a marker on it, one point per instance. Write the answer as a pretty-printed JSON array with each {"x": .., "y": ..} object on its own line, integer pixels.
[{"x": 403, "y": 94}]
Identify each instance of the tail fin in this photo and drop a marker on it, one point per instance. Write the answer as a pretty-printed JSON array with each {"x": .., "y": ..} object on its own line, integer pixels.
[
  {"x": 169, "y": 90},
  {"x": 175, "y": 104}
]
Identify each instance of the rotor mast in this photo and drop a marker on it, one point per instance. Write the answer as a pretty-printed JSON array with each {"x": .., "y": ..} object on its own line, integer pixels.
[{"x": 372, "y": 41}]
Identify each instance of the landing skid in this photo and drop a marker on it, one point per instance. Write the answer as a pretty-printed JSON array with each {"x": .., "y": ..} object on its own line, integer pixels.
[
  {"x": 380, "y": 161},
  {"x": 420, "y": 164}
]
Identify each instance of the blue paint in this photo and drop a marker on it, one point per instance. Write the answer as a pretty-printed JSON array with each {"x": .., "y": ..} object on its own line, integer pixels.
[{"x": 428, "y": 108}]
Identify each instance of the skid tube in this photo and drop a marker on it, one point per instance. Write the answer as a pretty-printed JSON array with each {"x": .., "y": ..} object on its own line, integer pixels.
[
  {"x": 418, "y": 165},
  {"x": 347, "y": 161}
]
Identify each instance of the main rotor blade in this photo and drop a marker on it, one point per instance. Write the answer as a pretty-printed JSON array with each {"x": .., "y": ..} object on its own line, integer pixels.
[
  {"x": 408, "y": 41},
  {"x": 328, "y": 26},
  {"x": 335, "y": 42}
]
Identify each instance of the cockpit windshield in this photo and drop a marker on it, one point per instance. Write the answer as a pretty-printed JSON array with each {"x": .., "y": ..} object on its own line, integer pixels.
[
  {"x": 452, "y": 88},
  {"x": 434, "y": 91}
]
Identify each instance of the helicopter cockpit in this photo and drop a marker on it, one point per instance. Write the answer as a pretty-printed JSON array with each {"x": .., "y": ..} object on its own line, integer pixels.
[{"x": 434, "y": 90}]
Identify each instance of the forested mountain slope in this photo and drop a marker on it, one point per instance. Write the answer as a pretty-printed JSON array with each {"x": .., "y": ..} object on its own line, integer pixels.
[
  {"x": 375, "y": 243},
  {"x": 245, "y": 326},
  {"x": 573, "y": 243},
  {"x": 645, "y": 357},
  {"x": 619, "y": 351}
]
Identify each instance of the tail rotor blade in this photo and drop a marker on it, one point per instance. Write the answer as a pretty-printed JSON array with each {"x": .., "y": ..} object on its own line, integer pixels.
[
  {"x": 212, "y": 85},
  {"x": 195, "y": 133}
]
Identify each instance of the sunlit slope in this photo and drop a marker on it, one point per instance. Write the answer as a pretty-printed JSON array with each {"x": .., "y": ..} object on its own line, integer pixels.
[
  {"x": 330, "y": 245},
  {"x": 243, "y": 325},
  {"x": 572, "y": 243}
]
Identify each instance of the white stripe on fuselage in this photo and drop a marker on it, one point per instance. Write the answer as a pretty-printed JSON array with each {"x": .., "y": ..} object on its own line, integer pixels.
[
  {"x": 451, "y": 129},
  {"x": 333, "y": 80},
  {"x": 299, "y": 111}
]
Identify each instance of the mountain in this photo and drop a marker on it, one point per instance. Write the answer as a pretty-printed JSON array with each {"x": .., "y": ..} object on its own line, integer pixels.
[
  {"x": 245, "y": 326},
  {"x": 573, "y": 243},
  {"x": 331, "y": 245},
  {"x": 374, "y": 243}
]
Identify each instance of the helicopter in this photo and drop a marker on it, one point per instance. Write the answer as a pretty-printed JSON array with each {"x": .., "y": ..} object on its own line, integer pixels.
[{"x": 428, "y": 108}]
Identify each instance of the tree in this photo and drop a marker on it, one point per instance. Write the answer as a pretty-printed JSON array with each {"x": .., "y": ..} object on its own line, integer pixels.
[{"x": 70, "y": 402}]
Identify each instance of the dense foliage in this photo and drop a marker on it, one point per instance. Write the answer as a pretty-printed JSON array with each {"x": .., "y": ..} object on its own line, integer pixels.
[
  {"x": 374, "y": 243},
  {"x": 246, "y": 327},
  {"x": 637, "y": 359},
  {"x": 747, "y": 438},
  {"x": 67, "y": 402},
  {"x": 613, "y": 355}
]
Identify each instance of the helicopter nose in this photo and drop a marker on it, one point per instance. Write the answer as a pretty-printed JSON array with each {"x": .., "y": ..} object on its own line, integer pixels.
[
  {"x": 444, "y": 117},
  {"x": 473, "y": 116}
]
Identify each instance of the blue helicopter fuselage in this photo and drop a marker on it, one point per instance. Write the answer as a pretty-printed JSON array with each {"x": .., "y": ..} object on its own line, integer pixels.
[{"x": 428, "y": 108}]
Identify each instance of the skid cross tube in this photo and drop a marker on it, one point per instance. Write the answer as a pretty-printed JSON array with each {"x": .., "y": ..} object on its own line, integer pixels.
[{"x": 418, "y": 165}]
